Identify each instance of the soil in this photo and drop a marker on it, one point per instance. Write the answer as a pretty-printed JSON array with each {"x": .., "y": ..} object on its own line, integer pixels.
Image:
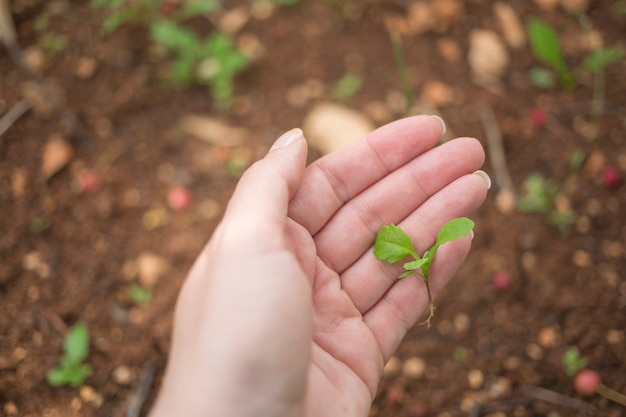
[{"x": 70, "y": 254}]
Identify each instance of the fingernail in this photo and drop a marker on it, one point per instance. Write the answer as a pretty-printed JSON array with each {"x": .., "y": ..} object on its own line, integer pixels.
[
  {"x": 441, "y": 122},
  {"x": 471, "y": 234},
  {"x": 482, "y": 174},
  {"x": 287, "y": 139}
]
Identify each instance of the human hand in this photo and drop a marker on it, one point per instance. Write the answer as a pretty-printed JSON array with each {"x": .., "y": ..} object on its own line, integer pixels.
[{"x": 287, "y": 312}]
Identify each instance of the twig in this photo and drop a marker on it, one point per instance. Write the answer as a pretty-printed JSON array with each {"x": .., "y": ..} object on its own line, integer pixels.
[
  {"x": 12, "y": 116},
  {"x": 556, "y": 398},
  {"x": 139, "y": 398},
  {"x": 495, "y": 149}
]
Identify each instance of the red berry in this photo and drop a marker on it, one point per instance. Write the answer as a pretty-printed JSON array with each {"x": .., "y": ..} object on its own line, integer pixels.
[
  {"x": 538, "y": 117},
  {"x": 586, "y": 382},
  {"x": 611, "y": 177},
  {"x": 178, "y": 198},
  {"x": 89, "y": 181},
  {"x": 501, "y": 281}
]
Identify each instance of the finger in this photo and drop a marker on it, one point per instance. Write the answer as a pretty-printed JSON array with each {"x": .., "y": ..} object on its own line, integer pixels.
[
  {"x": 368, "y": 279},
  {"x": 403, "y": 304},
  {"x": 263, "y": 192},
  {"x": 336, "y": 178},
  {"x": 351, "y": 231}
]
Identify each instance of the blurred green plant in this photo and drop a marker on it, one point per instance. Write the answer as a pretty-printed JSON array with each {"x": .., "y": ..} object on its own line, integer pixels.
[
  {"x": 347, "y": 86},
  {"x": 210, "y": 60},
  {"x": 139, "y": 294},
  {"x": 541, "y": 196},
  {"x": 398, "y": 55},
  {"x": 72, "y": 371},
  {"x": 545, "y": 44},
  {"x": 573, "y": 362}
]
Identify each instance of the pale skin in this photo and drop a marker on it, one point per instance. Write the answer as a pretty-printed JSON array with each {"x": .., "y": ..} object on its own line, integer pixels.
[{"x": 286, "y": 311}]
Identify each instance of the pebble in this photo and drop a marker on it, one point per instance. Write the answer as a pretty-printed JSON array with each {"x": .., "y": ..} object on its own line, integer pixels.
[
  {"x": 487, "y": 55},
  {"x": 10, "y": 409},
  {"x": 85, "y": 68},
  {"x": 510, "y": 25},
  {"x": 419, "y": 18},
  {"x": 582, "y": 259},
  {"x": 614, "y": 336},
  {"x": 329, "y": 126},
  {"x": 414, "y": 368},
  {"x": 35, "y": 59},
  {"x": 446, "y": 13},
  {"x": 234, "y": 20},
  {"x": 122, "y": 375},
  {"x": 57, "y": 152},
  {"x": 475, "y": 378},
  {"x": 534, "y": 351},
  {"x": 213, "y": 130},
  {"x": 150, "y": 268},
  {"x": 437, "y": 93},
  {"x": 461, "y": 323},
  {"x": 549, "y": 337},
  {"x": 449, "y": 50}
]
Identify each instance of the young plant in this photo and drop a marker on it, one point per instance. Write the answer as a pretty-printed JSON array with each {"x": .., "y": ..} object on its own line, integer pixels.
[
  {"x": 546, "y": 46},
  {"x": 347, "y": 86},
  {"x": 72, "y": 371},
  {"x": 140, "y": 295},
  {"x": 393, "y": 244},
  {"x": 541, "y": 195}
]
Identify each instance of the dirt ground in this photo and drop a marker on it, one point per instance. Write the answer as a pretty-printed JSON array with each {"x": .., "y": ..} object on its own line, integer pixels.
[{"x": 70, "y": 251}]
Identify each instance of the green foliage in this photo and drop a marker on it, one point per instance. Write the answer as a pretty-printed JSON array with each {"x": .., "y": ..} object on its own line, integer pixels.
[
  {"x": 212, "y": 60},
  {"x": 139, "y": 294},
  {"x": 598, "y": 59},
  {"x": 540, "y": 197},
  {"x": 347, "y": 86},
  {"x": 546, "y": 46},
  {"x": 573, "y": 362},
  {"x": 542, "y": 77},
  {"x": 392, "y": 244},
  {"x": 72, "y": 371}
]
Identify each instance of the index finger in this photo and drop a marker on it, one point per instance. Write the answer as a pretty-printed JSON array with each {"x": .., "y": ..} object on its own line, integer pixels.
[{"x": 333, "y": 180}]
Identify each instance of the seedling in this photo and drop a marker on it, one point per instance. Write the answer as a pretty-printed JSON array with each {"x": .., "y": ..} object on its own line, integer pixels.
[
  {"x": 546, "y": 46},
  {"x": 140, "y": 295},
  {"x": 573, "y": 362},
  {"x": 393, "y": 244},
  {"x": 347, "y": 86},
  {"x": 540, "y": 197},
  {"x": 72, "y": 371}
]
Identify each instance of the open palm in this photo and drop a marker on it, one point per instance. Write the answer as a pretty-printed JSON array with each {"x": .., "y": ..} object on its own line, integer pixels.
[{"x": 287, "y": 312}]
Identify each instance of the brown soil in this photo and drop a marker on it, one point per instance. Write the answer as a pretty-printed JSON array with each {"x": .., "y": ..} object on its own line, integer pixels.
[{"x": 69, "y": 255}]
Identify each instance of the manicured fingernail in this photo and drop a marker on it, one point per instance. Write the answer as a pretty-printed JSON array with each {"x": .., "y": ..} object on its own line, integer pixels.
[
  {"x": 441, "y": 122},
  {"x": 482, "y": 174},
  {"x": 287, "y": 139}
]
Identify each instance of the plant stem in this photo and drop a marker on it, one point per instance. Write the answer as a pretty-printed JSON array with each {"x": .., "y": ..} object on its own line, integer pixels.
[
  {"x": 431, "y": 313},
  {"x": 398, "y": 55},
  {"x": 611, "y": 394}
]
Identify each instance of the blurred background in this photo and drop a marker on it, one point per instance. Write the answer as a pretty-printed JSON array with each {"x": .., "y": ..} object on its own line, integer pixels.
[{"x": 125, "y": 124}]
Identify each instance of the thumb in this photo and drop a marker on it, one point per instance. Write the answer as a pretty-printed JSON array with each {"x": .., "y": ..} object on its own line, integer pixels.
[{"x": 264, "y": 190}]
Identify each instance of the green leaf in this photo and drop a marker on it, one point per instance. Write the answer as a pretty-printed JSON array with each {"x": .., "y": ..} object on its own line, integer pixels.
[
  {"x": 542, "y": 77},
  {"x": 413, "y": 265},
  {"x": 573, "y": 361},
  {"x": 598, "y": 59},
  {"x": 454, "y": 229},
  {"x": 347, "y": 86},
  {"x": 393, "y": 244},
  {"x": 545, "y": 44},
  {"x": 76, "y": 344},
  {"x": 196, "y": 8},
  {"x": 406, "y": 274},
  {"x": 139, "y": 294}
]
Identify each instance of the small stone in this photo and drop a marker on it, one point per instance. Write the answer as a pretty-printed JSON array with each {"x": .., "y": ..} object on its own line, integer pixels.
[
  {"x": 234, "y": 20},
  {"x": 510, "y": 25},
  {"x": 500, "y": 388},
  {"x": 378, "y": 112},
  {"x": 35, "y": 59},
  {"x": 505, "y": 201},
  {"x": 437, "y": 93},
  {"x": 512, "y": 363},
  {"x": 56, "y": 154},
  {"x": 461, "y": 323},
  {"x": 487, "y": 56},
  {"x": 122, "y": 375},
  {"x": 575, "y": 6},
  {"x": 614, "y": 336},
  {"x": 476, "y": 378},
  {"x": 392, "y": 367},
  {"x": 446, "y": 13},
  {"x": 594, "y": 164},
  {"x": 213, "y": 130},
  {"x": 85, "y": 68},
  {"x": 414, "y": 368},
  {"x": 329, "y": 127},
  {"x": 419, "y": 18},
  {"x": 582, "y": 259},
  {"x": 87, "y": 393},
  {"x": 534, "y": 351},
  {"x": 151, "y": 268},
  {"x": 250, "y": 45},
  {"x": 549, "y": 337},
  {"x": 449, "y": 50},
  {"x": 10, "y": 409}
]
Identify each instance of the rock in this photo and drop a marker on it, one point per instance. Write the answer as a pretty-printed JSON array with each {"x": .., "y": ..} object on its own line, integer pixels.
[
  {"x": 151, "y": 268},
  {"x": 213, "y": 130},
  {"x": 582, "y": 259},
  {"x": 419, "y": 18},
  {"x": 437, "y": 93},
  {"x": 329, "y": 127},
  {"x": 122, "y": 375},
  {"x": 510, "y": 25},
  {"x": 414, "y": 368},
  {"x": 487, "y": 56},
  {"x": 85, "y": 68},
  {"x": 56, "y": 154},
  {"x": 446, "y": 13},
  {"x": 234, "y": 20},
  {"x": 475, "y": 378},
  {"x": 549, "y": 337},
  {"x": 449, "y": 50},
  {"x": 35, "y": 59}
]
